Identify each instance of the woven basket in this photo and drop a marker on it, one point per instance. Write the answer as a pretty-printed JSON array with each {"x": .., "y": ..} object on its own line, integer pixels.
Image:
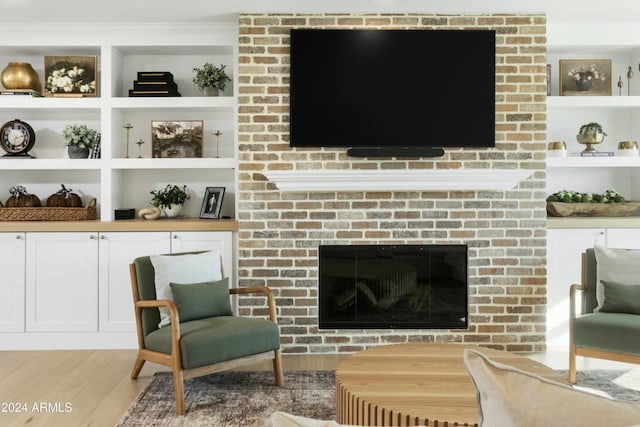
[{"x": 50, "y": 213}]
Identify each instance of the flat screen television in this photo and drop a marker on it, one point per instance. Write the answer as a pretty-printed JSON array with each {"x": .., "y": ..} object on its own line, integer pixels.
[{"x": 397, "y": 89}]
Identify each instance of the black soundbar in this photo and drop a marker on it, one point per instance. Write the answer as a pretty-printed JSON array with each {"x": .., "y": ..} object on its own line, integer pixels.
[{"x": 395, "y": 152}]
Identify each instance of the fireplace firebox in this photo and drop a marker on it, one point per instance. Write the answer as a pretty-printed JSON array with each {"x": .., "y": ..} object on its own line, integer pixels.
[{"x": 392, "y": 287}]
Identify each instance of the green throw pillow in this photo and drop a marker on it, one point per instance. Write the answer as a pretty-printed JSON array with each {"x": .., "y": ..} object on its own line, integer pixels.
[
  {"x": 620, "y": 298},
  {"x": 202, "y": 300}
]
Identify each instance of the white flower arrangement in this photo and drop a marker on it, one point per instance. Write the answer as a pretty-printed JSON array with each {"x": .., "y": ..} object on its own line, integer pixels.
[{"x": 586, "y": 73}]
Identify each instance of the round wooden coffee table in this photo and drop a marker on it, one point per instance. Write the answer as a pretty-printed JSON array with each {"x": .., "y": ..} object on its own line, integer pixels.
[{"x": 417, "y": 384}]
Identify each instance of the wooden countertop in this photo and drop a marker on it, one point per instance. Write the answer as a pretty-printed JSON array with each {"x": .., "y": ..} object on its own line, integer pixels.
[
  {"x": 163, "y": 224},
  {"x": 593, "y": 222}
]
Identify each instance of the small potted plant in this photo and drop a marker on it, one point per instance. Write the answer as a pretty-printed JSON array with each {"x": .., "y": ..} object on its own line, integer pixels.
[
  {"x": 590, "y": 134},
  {"x": 211, "y": 79},
  {"x": 170, "y": 199},
  {"x": 79, "y": 139}
]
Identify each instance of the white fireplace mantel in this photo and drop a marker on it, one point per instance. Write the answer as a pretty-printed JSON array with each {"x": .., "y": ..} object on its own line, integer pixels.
[{"x": 391, "y": 179}]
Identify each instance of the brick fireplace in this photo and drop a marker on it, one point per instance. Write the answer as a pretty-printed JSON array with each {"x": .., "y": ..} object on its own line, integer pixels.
[{"x": 504, "y": 229}]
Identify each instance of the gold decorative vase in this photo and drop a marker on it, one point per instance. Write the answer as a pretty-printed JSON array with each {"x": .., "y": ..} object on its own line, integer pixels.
[
  {"x": 20, "y": 75},
  {"x": 589, "y": 140}
]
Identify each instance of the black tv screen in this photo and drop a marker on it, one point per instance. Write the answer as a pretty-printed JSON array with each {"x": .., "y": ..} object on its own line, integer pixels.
[{"x": 392, "y": 88}]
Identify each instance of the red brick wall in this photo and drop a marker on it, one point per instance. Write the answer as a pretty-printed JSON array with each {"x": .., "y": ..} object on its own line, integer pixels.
[{"x": 505, "y": 230}]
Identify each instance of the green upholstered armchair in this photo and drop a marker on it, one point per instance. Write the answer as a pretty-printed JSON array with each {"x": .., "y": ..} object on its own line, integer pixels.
[
  {"x": 603, "y": 335},
  {"x": 199, "y": 346}
]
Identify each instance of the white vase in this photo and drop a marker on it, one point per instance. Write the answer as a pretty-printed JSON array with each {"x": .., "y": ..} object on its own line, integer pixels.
[
  {"x": 173, "y": 210},
  {"x": 210, "y": 91}
]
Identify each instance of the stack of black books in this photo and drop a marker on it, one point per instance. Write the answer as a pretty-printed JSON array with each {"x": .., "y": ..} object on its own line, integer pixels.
[{"x": 154, "y": 83}]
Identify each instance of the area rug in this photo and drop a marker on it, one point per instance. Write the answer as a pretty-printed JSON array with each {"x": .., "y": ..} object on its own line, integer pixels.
[
  {"x": 233, "y": 399},
  {"x": 247, "y": 399},
  {"x": 623, "y": 385}
]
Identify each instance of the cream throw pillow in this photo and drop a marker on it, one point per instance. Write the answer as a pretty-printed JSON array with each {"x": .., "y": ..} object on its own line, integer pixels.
[
  {"x": 615, "y": 265},
  {"x": 190, "y": 268},
  {"x": 509, "y": 397}
]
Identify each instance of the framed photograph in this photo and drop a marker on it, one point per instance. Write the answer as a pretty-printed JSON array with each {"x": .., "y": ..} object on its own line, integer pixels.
[
  {"x": 176, "y": 139},
  {"x": 70, "y": 76},
  {"x": 212, "y": 202},
  {"x": 580, "y": 77}
]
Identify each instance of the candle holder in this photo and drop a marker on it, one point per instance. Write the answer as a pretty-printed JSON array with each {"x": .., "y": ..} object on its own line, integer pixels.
[
  {"x": 139, "y": 142},
  {"x": 217, "y": 133},
  {"x": 128, "y": 127}
]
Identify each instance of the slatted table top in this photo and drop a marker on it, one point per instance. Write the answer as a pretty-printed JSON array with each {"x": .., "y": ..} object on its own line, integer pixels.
[{"x": 422, "y": 384}]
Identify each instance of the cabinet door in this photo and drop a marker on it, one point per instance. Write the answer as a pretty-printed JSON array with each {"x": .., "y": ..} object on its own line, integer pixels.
[
  {"x": 187, "y": 241},
  {"x": 564, "y": 267},
  {"x": 628, "y": 238},
  {"x": 117, "y": 251},
  {"x": 62, "y": 282},
  {"x": 12, "y": 249}
]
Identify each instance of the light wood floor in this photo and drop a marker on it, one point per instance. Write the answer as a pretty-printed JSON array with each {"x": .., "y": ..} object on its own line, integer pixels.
[
  {"x": 86, "y": 387},
  {"x": 92, "y": 387}
]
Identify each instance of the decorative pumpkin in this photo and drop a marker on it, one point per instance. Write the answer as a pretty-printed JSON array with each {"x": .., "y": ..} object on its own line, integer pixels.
[
  {"x": 21, "y": 198},
  {"x": 64, "y": 198}
]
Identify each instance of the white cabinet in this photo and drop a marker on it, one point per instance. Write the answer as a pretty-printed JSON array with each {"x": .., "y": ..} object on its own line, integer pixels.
[
  {"x": 186, "y": 241},
  {"x": 72, "y": 290},
  {"x": 116, "y": 251},
  {"x": 62, "y": 282},
  {"x": 125, "y": 173},
  {"x": 12, "y": 251},
  {"x": 623, "y": 238},
  {"x": 119, "y": 249},
  {"x": 564, "y": 249}
]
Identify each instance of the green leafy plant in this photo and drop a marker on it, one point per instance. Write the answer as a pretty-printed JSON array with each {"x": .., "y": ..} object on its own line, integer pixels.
[
  {"x": 565, "y": 196},
  {"x": 210, "y": 75},
  {"x": 79, "y": 135},
  {"x": 170, "y": 195},
  {"x": 592, "y": 128}
]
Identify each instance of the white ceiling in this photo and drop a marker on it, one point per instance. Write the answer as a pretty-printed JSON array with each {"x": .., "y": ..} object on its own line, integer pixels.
[{"x": 32, "y": 12}]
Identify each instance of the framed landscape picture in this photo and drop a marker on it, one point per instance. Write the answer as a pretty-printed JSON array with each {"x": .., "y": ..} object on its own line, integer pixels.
[
  {"x": 176, "y": 139},
  {"x": 212, "y": 202},
  {"x": 70, "y": 76},
  {"x": 585, "y": 77}
]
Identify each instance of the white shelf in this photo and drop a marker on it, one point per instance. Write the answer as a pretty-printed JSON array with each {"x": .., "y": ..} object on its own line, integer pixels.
[
  {"x": 593, "y": 162},
  {"x": 50, "y": 164},
  {"x": 355, "y": 180},
  {"x": 593, "y": 102},
  {"x": 199, "y": 102},
  {"x": 28, "y": 102},
  {"x": 206, "y": 163}
]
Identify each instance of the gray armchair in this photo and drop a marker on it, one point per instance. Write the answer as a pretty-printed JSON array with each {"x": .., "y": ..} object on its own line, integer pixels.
[
  {"x": 199, "y": 346},
  {"x": 603, "y": 335}
]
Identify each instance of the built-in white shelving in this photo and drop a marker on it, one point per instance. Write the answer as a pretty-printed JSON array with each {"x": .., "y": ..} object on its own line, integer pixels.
[{"x": 120, "y": 179}]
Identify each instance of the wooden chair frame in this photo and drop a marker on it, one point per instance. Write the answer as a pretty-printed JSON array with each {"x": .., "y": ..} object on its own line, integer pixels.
[
  {"x": 585, "y": 351},
  {"x": 174, "y": 360}
]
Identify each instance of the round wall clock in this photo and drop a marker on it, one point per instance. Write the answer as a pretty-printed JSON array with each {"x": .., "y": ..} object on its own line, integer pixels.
[{"x": 17, "y": 138}]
